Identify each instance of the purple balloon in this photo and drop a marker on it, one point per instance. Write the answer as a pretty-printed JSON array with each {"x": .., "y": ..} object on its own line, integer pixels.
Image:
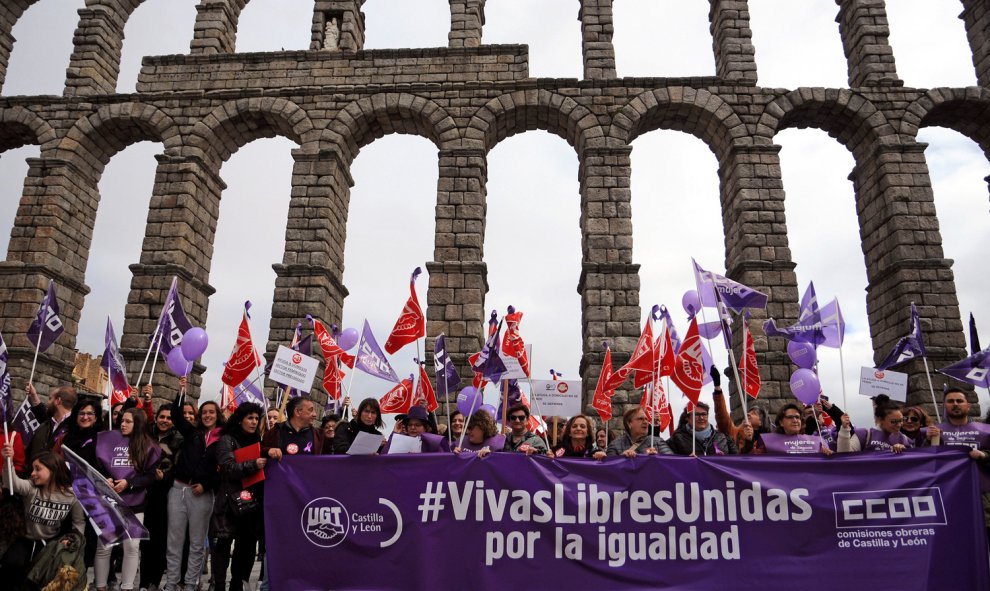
[
  {"x": 802, "y": 354},
  {"x": 177, "y": 363},
  {"x": 489, "y": 409},
  {"x": 805, "y": 386},
  {"x": 194, "y": 343},
  {"x": 469, "y": 400},
  {"x": 348, "y": 339},
  {"x": 691, "y": 302}
]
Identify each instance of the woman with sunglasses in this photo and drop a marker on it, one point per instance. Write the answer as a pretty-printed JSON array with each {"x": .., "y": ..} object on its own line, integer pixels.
[
  {"x": 886, "y": 436},
  {"x": 789, "y": 437},
  {"x": 919, "y": 427}
]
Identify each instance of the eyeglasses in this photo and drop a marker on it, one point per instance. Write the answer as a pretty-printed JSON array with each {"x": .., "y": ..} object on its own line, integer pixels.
[
  {"x": 87, "y": 414},
  {"x": 517, "y": 418},
  {"x": 701, "y": 415},
  {"x": 896, "y": 421},
  {"x": 912, "y": 419},
  {"x": 792, "y": 417}
]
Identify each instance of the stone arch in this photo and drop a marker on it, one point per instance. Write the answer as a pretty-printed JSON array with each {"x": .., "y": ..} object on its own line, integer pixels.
[
  {"x": 20, "y": 127},
  {"x": 10, "y": 12},
  {"x": 844, "y": 114},
  {"x": 524, "y": 110},
  {"x": 230, "y": 126},
  {"x": 966, "y": 110},
  {"x": 365, "y": 120},
  {"x": 94, "y": 140},
  {"x": 697, "y": 112}
]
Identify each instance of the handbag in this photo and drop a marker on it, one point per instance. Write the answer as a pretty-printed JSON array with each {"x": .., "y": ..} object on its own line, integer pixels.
[{"x": 242, "y": 502}]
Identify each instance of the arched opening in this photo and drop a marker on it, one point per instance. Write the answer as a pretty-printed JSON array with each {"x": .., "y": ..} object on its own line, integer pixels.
[
  {"x": 676, "y": 215},
  {"x": 124, "y": 190},
  {"x": 533, "y": 248},
  {"x": 929, "y": 43},
  {"x": 250, "y": 237},
  {"x": 958, "y": 171},
  {"x": 388, "y": 23},
  {"x": 142, "y": 36},
  {"x": 274, "y": 25},
  {"x": 390, "y": 232},
  {"x": 41, "y": 53},
  {"x": 797, "y": 43},
  {"x": 667, "y": 38},
  {"x": 824, "y": 235},
  {"x": 549, "y": 27}
]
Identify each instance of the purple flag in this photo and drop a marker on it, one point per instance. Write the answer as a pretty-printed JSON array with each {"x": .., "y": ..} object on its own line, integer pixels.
[
  {"x": 909, "y": 347},
  {"x": 25, "y": 423},
  {"x": 172, "y": 323},
  {"x": 974, "y": 369},
  {"x": 833, "y": 324},
  {"x": 820, "y": 327},
  {"x": 113, "y": 362},
  {"x": 489, "y": 363},
  {"x": 6, "y": 399},
  {"x": 724, "y": 319},
  {"x": 448, "y": 379},
  {"x": 250, "y": 391},
  {"x": 112, "y": 519},
  {"x": 974, "y": 338},
  {"x": 47, "y": 325},
  {"x": 809, "y": 302},
  {"x": 736, "y": 296},
  {"x": 371, "y": 359}
]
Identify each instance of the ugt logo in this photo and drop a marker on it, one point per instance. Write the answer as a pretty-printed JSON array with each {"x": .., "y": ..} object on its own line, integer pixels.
[{"x": 325, "y": 521}]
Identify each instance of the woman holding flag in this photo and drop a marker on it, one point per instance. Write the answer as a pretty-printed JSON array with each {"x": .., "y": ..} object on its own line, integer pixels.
[{"x": 128, "y": 458}]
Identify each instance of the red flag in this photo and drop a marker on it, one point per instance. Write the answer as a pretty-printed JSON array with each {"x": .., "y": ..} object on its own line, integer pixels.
[
  {"x": 656, "y": 403},
  {"x": 227, "y": 399},
  {"x": 398, "y": 400},
  {"x": 747, "y": 365},
  {"x": 602, "y": 401},
  {"x": 640, "y": 362},
  {"x": 425, "y": 396},
  {"x": 119, "y": 396},
  {"x": 665, "y": 361},
  {"x": 512, "y": 343},
  {"x": 333, "y": 377},
  {"x": 689, "y": 371},
  {"x": 411, "y": 324},
  {"x": 243, "y": 359}
]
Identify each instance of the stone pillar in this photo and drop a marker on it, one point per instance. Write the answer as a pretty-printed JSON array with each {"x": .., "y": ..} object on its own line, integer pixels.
[
  {"x": 349, "y": 17},
  {"x": 95, "y": 61},
  {"x": 865, "y": 41},
  {"x": 309, "y": 280},
  {"x": 467, "y": 19},
  {"x": 905, "y": 262},
  {"x": 178, "y": 242},
  {"x": 10, "y": 12},
  {"x": 458, "y": 275},
  {"x": 758, "y": 255},
  {"x": 609, "y": 283},
  {"x": 732, "y": 41},
  {"x": 215, "y": 31},
  {"x": 596, "y": 39},
  {"x": 52, "y": 233},
  {"x": 976, "y": 15}
]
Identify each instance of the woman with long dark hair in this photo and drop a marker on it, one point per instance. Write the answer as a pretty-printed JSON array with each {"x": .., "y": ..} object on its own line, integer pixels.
[
  {"x": 48, "y": 501},
  {"x": 237, "y": 517},
  {"x": 368, "y": 419},
  {"x": 127, "y": 457},
  {"x": 83, "y": 425}
]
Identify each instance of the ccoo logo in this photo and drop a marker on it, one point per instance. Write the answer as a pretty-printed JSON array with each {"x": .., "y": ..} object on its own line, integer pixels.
[{"x": 325, "y": 522}]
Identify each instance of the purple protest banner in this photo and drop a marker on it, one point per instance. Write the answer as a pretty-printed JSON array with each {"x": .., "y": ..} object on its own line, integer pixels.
[
  {"x": 112, "y": 519},
  {"x": 777, "y": 443},
  {"x": 648, "y": 522}
]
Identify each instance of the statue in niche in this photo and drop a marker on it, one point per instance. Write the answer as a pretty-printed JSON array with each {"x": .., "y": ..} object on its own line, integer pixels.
[{"x": 331, "y": 36}]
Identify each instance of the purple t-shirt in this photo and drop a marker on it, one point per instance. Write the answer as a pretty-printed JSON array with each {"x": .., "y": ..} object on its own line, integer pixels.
[
  {"x": 972, "y": 435},
  {"x": 777, "y": 443},
  {"x": 877, "y": 440}
]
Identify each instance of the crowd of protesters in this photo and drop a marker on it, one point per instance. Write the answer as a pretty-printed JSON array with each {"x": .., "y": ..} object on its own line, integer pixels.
[{"x": 192, "y": 474}]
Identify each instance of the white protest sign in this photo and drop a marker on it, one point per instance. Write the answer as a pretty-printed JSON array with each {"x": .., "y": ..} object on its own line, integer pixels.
[
  {"x": 294, "y": 369},
  {"x": 560, "y": 398},
  {"x": 513, "y": 369},
  {"x": 873, "y": 382}
]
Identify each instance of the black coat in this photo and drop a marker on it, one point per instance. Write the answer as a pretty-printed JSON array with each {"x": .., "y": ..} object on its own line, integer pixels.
[
  {"x": 224, "y": 523},
  {"x": 716, "y": 444}
]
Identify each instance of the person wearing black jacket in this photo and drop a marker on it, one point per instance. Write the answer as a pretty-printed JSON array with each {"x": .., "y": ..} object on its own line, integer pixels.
[
  {"x": 707, "y": 441},
  {"x": 369, "y": 420},
  {"x": 51, "y": 418},
  {"x": 238, "y": 520},
  {"x": 81, "y": 428},
  {"x": 190, "y": 500}
]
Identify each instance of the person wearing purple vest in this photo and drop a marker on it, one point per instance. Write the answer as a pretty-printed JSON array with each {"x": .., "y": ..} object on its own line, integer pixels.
[
  {"x": 127, "y": 457},
  {"x": 417, "y": 424},
  {"x": 480, "y": 436},
  {"x": 788, "y": 437},
  {"x": 959, "y": 429},
  {"x": 886, "y": 436}
]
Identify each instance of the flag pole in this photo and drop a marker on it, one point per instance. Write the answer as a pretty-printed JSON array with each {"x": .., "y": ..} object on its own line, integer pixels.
[
  {"x": 842, "y": 371},
  {"x": 350, "y": 379},
  {"x": 154, "y": 362},
  {"x": 10, "y": 461},
  {"x": 931, "y": 388},
  {"x": 670, "y": 428},
  {"x": 653, "y": 379},
  {"x": 694, "y": 431},
  {"x": 147, "y": 355},
  {"x": 460, "y": 443},
  {"x": 34, "y": 363},
  {"x": 446, "y": 390},
  {"x": 741, "y": 388},
  {"x": 529, "y": 382},
  {"x": 505, "y": 401}
]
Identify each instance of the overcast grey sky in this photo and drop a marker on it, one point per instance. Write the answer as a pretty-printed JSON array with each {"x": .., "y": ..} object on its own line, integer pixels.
[{"x": 533, "y": 259}]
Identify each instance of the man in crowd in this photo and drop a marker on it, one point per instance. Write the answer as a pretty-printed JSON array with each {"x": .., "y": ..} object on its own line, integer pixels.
[
  {"x": 959, "y": 429},
  {"x": 521, "y": 439},
  {"x": 296, "y": 435},
  {"x": 51, "y": 417}
]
